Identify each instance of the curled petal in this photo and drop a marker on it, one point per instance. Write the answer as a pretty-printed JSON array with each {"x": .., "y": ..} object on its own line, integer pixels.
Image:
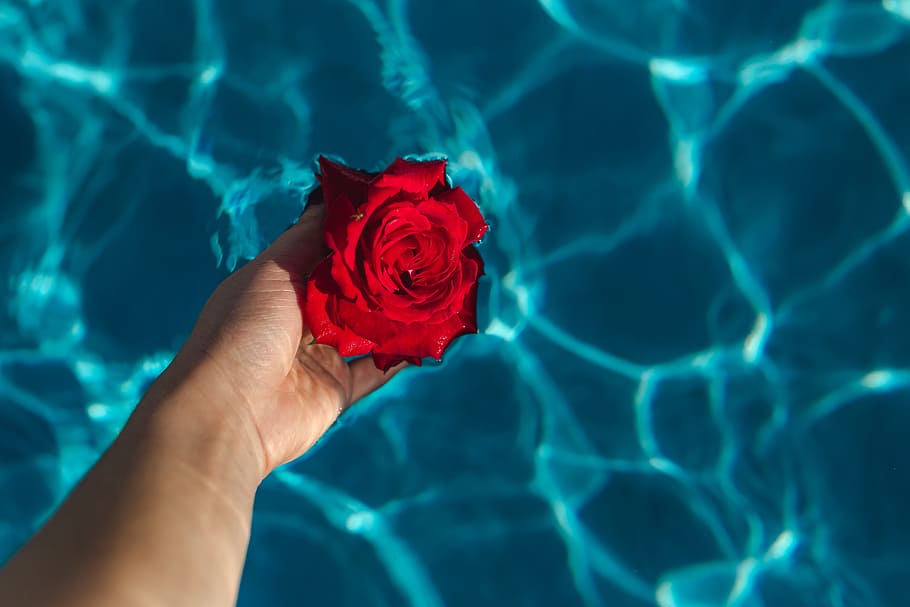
[
  {"x": 468, "y": 211},
  {"x": 320, "y": 306},
  {"x": 377, "y": 198},
  {"x": 414, "y": 177},
  {"x": 338, "y": 179},
  {"x": 473, "y": 254},
  {"x": 468, "y": 313},
  {"x": 446, "y": 217}
]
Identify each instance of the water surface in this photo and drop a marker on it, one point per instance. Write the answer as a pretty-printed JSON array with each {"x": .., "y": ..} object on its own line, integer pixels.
[{"x": 690, "y": 387}]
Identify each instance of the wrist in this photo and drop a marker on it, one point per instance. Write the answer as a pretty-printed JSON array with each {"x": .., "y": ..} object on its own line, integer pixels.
[{"x": 188, "y": 414}]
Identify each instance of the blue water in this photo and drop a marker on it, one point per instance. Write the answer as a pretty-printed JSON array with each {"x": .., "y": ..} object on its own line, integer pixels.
[{"x": 690, "y": 387}]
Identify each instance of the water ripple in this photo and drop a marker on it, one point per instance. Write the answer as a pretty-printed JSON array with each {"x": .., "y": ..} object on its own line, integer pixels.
[{"x": 689, "y": 386}]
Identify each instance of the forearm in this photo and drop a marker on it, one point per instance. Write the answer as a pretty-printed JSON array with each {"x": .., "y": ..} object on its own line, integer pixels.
[{"x": 162, "y": 519}]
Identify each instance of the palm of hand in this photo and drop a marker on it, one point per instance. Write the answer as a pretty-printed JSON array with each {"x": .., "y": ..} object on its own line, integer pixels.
[{"x": 253, "y": 331}]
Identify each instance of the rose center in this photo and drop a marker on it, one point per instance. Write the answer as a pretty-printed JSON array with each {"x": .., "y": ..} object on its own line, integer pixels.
[
  {"x": 406, "y": 277},
  {"x": 417, "y": 262}
]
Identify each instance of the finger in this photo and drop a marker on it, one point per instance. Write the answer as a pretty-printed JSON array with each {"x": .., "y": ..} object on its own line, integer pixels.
[
  {"x": 367, "y": 378},
  {"x": 301, "y": 246}
]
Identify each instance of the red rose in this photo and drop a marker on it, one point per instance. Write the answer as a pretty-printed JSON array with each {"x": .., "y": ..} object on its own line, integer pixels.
[{"x": 401, "y": 279}]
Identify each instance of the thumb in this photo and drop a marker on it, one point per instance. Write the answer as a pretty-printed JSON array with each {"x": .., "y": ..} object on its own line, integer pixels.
[{"x": 301, "y": 246}]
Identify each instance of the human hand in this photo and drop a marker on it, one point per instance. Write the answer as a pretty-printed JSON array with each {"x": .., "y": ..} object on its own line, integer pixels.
[
  {"x": 251, "y": 352},
  {"x": 164, "y": 516}
]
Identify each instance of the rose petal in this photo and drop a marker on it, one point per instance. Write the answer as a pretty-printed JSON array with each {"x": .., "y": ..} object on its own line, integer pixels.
[
  {"x": 348, "y": 284},
  {"x": 468, "y": 211},
  {"x": 473, "y": 254},
  {"x": 399, "y": 252},
  {"x": 320, "y": 302},
  {"x": 338, "y": 214},
  {"x": 407, "y": 222},
  {"x": 445, "y": 303},
  {"x": 412, "y": 176},
  {"x": 371, "y": 324},
  {"x": 449, "y": 221},
  {"x": 340, "y": 179},
  {"x": 387, "y": 361},
  {"x": 466, "y": 281},
  {"x": 377, "y": 198},
  {"x": 423, "y": 340},
  {"x": 430, "y": 253},
  {"x": 468, "y": 313}
]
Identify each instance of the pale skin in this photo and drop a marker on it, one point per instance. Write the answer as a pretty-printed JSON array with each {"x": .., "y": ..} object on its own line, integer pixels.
[{"x": 163, "y": 519}]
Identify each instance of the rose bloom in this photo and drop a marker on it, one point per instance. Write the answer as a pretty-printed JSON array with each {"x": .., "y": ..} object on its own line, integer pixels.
[{"x": 400, "y": 281}]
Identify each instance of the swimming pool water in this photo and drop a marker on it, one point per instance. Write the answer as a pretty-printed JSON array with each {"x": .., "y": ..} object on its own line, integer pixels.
[{"x": 690, "y": 387}]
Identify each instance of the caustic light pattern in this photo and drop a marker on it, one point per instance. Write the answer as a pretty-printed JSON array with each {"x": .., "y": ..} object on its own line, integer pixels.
[{"x": 690, "y": 383}]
